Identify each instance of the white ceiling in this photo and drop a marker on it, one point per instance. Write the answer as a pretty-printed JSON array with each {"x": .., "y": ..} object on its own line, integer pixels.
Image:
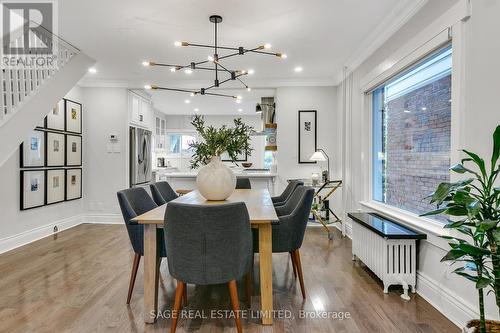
[{"x": 319, "y": 35}]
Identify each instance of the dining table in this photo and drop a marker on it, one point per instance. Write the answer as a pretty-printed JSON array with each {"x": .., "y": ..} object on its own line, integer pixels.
[{"x": 262, "y": 216}]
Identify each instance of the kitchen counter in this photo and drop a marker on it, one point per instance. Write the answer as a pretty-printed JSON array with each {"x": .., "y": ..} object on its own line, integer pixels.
[{"x": 187, "y": 180}]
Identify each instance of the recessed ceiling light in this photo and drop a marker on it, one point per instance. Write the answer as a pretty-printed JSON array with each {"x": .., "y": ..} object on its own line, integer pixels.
[
  {"x": 92, "y": 70},
  {"x": 187, "y": 101},
  {"x": 238, "y": 101},
  {"x": 249, "y": 89},
  {"x": 188, "y": 71},
  {"x": 239, "y": 110},
  {"x": 406, "y": 111},
  {"x": 196, "y": 109},
  {"x": 298, "y": 69},
  {"x": 424, "y": 108}
]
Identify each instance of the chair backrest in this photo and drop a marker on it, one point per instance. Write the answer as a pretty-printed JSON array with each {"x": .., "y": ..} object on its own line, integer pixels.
[
  {"x": 289, "y": 234},
  {"x": 243, "y": 183},
  {"x": 133, "y": 202},
  {"x": 162, "y": 193},
  {"x": 208, "y": 244},
  {"x": 283, "y": 197}
]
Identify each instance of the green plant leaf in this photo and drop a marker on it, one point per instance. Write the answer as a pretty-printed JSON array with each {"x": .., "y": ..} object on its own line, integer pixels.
[
  {"x": 456, "y": 211},
  {"x": 496, "y": 148},
  {"x": 473, "y": 251},
  {"x": 468, "y": 276},
  {"x": 474, "y": 207},
  {"x": 441, "y": 193},
  {"x": 453, "y": 254},
  {"x": 487, "y": 225},
  {"x": 434, "y": 212},
  {"x": 478, "y": 160},
  {"x": 482, "y": 282}
]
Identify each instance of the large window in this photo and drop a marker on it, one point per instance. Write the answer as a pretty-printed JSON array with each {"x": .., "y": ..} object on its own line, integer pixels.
[{"x": 411, "y": 133}]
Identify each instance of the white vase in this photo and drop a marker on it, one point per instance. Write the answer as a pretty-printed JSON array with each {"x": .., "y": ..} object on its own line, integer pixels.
[{"x": 215, "y": 181}]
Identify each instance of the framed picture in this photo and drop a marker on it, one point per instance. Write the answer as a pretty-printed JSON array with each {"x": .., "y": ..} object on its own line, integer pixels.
[
  {"x": 240, "y": 158},
  {"x": 73, "y": 117},
  {"x": 73, "y": 150},
  {"x": 56, "y": 185},
  {"x": 73, "y": 184},
  {"x": 307, "y": 135},
  {"x": 55, "y": 149},
  {"x": 55, "y": 118},
  {"x": 32, "y": 189},
  {"x": 32, "y": 150}
]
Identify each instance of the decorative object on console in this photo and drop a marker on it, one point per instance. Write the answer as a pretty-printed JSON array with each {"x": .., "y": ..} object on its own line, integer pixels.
[
  {"x": 307, "y": 135},
  {"x": 246, "y": 164},
  {"x": 55, "y": 149},
  {"x": 215, "y": 181},
  {"x": 73, "y": 117},
  {"x": 73, "y": 184},
  {"x": 56, "y": 185},
  {"x": 474, "y": 203},
  {"x": 32, "y": 150},
  {"x": 55, "y": 119},
  {"x": 32, "y": 189},
  {"x": 73, "y": 150},
  {"x": 217, "y": 67},
  {"x": 321, "y": 156}
]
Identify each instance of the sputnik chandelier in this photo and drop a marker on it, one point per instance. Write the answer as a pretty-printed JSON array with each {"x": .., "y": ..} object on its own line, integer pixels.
[{"x": 213, "y": 63}]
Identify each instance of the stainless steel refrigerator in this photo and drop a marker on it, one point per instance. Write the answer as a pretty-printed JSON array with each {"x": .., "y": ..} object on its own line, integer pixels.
[{"x": 140, "y": 156}]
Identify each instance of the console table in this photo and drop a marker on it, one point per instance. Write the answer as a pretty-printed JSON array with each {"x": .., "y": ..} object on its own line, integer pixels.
[{"x": 389, "y": 249}]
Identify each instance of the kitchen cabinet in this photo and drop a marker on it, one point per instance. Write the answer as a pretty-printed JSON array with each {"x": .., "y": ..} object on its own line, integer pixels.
[
  {"x": 160, "y": 133},
  {"x": 141, "y": 112}
]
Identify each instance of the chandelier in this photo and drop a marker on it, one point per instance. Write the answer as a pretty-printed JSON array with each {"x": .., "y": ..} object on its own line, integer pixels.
[{"x": 213, "y": 63}]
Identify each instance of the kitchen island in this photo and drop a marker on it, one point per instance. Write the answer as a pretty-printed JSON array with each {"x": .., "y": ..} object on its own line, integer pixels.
[{"x": 187, "y": 180}]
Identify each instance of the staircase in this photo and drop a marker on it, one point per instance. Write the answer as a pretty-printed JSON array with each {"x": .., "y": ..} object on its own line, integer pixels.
[{"x": 28, "y": 94}]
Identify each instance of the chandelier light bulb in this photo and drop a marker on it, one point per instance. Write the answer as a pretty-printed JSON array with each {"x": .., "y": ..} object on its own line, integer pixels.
[
  {"x": 251, "y": 71},
  {"x": 188, "y": 71},
  {"x": 192, "y": 94},
  {"x": 210, "y": 58},
  {"x": 146, "y": 63},
  {"x": 249, "y": 89},
  {"x": 173, "y": 69},
  {"x": 267, "y": 46},
  {"x": 177, "y": 43},
  {"x": 147, "y": 87},
  {"x": 239, "y": 97}
]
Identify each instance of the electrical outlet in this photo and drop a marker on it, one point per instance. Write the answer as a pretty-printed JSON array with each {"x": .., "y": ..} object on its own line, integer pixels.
[{"x": 56, "y": 229}]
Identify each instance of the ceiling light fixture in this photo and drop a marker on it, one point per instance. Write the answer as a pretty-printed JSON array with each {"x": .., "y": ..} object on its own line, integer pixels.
[
  {"x": 187, "y": 101},
  {"x": 217, "y": 67},
  {"x": 92, "y": 70},
  {"x": 298, "y": 69},
  {"x": 196, "y": 109},
  {"x": 239, "y": 110}
]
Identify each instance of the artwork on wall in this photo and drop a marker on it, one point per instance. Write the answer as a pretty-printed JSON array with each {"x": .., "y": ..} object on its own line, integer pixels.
[
  {"x": 307, "y": 135},
  {"x": 55, "y": 149},
  {"x": 32, "y": 150},
  {"x": 55, "y": 118},
  {"x": 56, "y": 180},
  {"x": 73, "y": 184},
  {"x": 73, "y": 150},
  {"x": 73, "y": 117},
  {"x": 32, "y": 188}
]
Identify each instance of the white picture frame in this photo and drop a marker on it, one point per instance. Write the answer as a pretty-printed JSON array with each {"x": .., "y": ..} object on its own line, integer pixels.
[
  {"x": 55, "y": 118},
  {"x": 32, "y": 150},
  {"x": 56, "y": 185},
  {"x": 73, "y": 117},
  {"x": 73, "y": 150},
  {"x": 55, "y": 145},
  {"x": 32, "y": 189},
  {"x": 73, "y": 184}
]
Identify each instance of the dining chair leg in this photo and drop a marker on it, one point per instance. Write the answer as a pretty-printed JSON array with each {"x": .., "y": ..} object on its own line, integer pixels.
[
  {"x": 299, "y": 272},
  {"x": 233, "y": 292},
  {"x": 294, "y": 265},
  {"x": 135, "y": 267},
  {"x": 179, "y": 291}
]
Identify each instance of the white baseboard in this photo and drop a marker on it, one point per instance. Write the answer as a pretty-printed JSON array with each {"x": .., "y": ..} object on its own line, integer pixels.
[
  {"x": 26, "y": 237},
  {"x": 448, "y": 302},
  {"x": 103, "y": 218}
]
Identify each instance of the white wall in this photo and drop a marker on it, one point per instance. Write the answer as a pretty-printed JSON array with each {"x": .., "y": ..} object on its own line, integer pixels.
[
  {"x": 453, "y": 295},
  {"x": 15, "y": 225},
  {"x": 105, "y": 173}
]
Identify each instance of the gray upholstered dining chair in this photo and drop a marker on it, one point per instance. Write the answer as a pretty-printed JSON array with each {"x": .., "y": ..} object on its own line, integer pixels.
[
  {"x": 208, "y": 244},
  {"x": 162, "y": 193},
  {"x": 283, "y": 197},
  {"x": 134, "y": 202},
  {"x": 287, "y": 236},
  {"x": 243, "y": 183}
]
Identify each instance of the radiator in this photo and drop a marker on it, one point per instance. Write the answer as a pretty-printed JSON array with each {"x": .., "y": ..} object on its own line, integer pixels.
[{"x": 392, "y": 260}]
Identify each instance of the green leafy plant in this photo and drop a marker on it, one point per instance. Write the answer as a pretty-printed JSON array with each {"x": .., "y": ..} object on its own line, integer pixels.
[
  {"x": 215, "y": 141},
  {"x": 475, "y": 205}
]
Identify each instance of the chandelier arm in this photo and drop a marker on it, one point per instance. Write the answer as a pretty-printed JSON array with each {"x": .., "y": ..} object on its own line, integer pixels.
[
  {"x": 221, "y": 95},
  {"x": 174, "y": 89},
  {"x": 263, "y": 52},
  {"x": 214, "y": 86},
  {"x": 243, "y": 83},
  {"x": 169, "y": 65},
  {"x": 213, "y": 46}
]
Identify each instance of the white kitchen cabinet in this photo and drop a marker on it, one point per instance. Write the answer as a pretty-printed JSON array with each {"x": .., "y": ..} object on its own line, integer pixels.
[
  {"x": 160, "y": 133},
  {"x": 141, "y": 112}
]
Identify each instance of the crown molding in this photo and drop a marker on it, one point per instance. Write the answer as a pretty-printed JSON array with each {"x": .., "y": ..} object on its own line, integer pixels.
[{"x": 398, "y": 17}]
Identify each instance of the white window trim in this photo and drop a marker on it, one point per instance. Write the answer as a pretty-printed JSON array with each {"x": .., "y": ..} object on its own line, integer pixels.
[{"x": 450, "y": 26}]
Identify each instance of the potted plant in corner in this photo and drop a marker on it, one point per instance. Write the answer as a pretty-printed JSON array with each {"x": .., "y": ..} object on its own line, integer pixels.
[
  {"x": 475, "y": 204},
  {"x": 215, "y": 181}
]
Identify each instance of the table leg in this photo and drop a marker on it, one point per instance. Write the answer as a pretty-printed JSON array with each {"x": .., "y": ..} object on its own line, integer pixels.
[
  {"x": 266, "y": 273},
  {"x": 150, "y": 274}
]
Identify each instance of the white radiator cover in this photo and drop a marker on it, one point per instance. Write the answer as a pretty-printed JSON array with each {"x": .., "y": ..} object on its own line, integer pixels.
[{"x": 394, "y": 261}]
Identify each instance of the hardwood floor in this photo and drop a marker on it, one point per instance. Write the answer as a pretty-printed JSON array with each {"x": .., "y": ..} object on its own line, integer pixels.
[{"x": 78, "y": 282}]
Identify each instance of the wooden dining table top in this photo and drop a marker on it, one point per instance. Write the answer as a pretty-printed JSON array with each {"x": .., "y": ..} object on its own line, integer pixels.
[{"x": 258, "y": 201}]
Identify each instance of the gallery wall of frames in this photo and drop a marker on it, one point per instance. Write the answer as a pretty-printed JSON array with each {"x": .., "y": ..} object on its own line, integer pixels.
[{"x": 51, "y": 158}]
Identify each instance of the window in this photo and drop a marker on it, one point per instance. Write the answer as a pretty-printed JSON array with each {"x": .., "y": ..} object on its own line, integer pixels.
[
  {"x": 411, "y": 133},
  {"x": 178, "y": 143}
]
